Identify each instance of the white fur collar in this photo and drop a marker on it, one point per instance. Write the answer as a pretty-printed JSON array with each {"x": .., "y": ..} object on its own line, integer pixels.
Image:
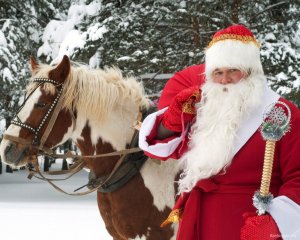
[{"x": 249, "y": 126}]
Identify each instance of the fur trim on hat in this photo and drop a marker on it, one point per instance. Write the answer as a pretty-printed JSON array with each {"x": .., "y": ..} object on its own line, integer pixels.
[{"x": 231, "y": 53}]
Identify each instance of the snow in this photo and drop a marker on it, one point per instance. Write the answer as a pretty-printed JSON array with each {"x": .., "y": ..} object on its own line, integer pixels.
[
  {"x": 62, "y": 37},
  {"x": 124, "y": 58},
  {"x": 2, "y": 127},
  {"x": 78, "y": 12},
  {"x": 3, "y": 41},
  {"x": 54, "y": 34},
  {"x": 33, "y": 210},
  {"x": 96, "y": 32},
  {"x": 7, "y": 75},
  {"x": 69, "y": 45}
]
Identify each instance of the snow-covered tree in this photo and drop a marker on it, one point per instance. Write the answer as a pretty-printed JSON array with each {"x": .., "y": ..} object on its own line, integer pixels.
[
  {"x": 21, "y": 26},
  {"x": 145, "y": 36}
]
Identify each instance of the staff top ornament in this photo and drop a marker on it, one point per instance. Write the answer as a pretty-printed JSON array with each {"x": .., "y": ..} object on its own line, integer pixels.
[{"x": 276, "y": 121}]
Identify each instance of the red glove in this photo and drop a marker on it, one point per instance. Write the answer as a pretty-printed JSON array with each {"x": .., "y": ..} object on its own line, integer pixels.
[
  {"x": 182, "y": 109},
  {"x": 259, "y": 228}
]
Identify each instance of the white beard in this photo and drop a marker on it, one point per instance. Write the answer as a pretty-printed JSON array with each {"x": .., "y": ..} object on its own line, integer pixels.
[{"x": 212, "y": 137}]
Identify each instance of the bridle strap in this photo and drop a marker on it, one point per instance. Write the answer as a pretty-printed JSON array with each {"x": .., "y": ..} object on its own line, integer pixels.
[
  {"x": 27, "y": 143},
  {"x": 51, "y": 121}
]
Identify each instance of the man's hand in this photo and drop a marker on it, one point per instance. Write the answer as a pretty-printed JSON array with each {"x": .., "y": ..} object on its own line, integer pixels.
[
  {"x": 182, "y": 109},
  {"x": 259, "y": 228}
]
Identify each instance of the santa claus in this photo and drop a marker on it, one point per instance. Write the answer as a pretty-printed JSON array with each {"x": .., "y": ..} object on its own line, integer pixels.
[{"x": 209, "y": 118}]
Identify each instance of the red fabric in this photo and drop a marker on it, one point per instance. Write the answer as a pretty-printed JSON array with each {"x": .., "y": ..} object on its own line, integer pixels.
[
  {"x": 190, "y": 227},
  {"x": 191, "y": 76},
  {"x": 236, "y": 30},
  {"x": 259, "y": 227},
  {"x": 175, "y": 118}
]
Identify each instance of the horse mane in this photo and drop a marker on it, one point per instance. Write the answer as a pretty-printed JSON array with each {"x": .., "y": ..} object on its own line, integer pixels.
[{"x": 96, "y": 91}]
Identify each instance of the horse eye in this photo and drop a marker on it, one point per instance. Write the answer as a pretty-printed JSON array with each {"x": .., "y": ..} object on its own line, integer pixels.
[{"x": 40, "y": 105}]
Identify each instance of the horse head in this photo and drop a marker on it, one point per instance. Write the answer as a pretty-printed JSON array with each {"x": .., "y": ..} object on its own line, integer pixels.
[
  {"x": 30, "y": 129},
  {"x": 97, "y": 109}
]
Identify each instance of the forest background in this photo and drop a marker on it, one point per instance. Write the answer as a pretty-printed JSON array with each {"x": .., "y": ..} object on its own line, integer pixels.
[{"x": 140, "y": 37}]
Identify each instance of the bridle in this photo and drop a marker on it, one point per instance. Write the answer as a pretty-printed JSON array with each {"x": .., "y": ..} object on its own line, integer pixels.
[
  {"x": 51, "y": 114},
  {"x": 38, "y": 143}
]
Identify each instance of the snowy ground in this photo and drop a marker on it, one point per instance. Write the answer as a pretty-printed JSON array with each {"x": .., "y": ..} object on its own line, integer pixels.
[{"x": 33, "y": 210}]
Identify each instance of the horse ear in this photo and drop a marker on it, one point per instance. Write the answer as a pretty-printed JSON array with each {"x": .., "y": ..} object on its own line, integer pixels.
[
  {"x": 33, "y": 63},
  {"x": 61, "y": 72}
]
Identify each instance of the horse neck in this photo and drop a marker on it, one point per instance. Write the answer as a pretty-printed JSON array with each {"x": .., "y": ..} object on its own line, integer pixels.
[
  {"x": 97, "y": 136},
  {"x": 116, "y": 129},
  {"x": 100, "y": 166}
]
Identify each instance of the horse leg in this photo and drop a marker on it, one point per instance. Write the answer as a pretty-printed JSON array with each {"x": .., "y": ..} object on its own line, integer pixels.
[{"x": 105, "y": 212}]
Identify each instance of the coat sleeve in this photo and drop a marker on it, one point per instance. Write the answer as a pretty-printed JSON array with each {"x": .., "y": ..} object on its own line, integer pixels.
[
  {"x": 172, "y": 147},
  {"x": 285, "y": 209},
  {"x": 175, "y": 146}
]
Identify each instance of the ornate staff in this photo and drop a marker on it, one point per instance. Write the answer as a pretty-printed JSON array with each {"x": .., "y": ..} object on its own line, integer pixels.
[{"x": 276, "y": 123}]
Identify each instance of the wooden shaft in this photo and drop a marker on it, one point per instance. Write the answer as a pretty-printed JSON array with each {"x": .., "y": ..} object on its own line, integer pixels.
[{"x": 267, "y": 168}]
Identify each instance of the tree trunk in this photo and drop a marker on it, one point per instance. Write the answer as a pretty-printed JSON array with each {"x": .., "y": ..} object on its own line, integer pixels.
[
  {"x": 9, "y": 169},
  {"x": 195, "y": 32},
  {"x": 46, "y": 164},
  {"x": 235, "y": 10},
  {"x": 65, "y": 165}
]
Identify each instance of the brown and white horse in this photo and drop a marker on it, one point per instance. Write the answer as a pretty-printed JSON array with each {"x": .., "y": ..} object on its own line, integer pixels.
[{"x": 98, "y": 110}]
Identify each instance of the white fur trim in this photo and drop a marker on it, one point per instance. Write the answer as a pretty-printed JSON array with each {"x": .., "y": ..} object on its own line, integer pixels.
[
  {"x": 159, "y": 149},
  {"x": 248, "y": 127},
  {"x": 286, "y": 214},
  {"x": 246, "y": 130},
  {"x": 233, "y": 53}
]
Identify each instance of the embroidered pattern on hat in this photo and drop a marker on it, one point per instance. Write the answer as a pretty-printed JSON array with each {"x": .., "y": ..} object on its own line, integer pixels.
[{"x": 245, "y": 39}]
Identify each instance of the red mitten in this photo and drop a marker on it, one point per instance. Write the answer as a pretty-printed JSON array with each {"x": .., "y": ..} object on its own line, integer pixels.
[
  {"x": 259, "y": 228},
  {"x": 182, "y": 109}
]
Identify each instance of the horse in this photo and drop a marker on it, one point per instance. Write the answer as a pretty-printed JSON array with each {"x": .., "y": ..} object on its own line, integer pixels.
[{"x": 98, "y": 108}]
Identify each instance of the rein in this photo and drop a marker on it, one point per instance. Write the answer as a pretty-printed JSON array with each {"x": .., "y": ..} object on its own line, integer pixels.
[{"x": 49, "y": 152}]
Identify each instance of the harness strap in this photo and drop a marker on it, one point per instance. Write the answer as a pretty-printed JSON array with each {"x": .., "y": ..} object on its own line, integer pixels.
[
  {"x": 126, "y": 168},
  {"x": 51, "y": 153},
  {"x": 116, "y": 153},
  {"x": 42, "y": 177},
  {"x": 73, "y": 170},
  {"x": 120, "y": 161}
]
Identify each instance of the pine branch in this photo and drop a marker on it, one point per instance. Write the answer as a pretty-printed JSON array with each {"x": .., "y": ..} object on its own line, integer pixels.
[{"x": 267, "y": 9}]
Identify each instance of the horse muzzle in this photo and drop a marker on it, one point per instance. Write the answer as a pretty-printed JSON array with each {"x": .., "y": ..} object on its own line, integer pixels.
[{"x": 13, "y": 155}]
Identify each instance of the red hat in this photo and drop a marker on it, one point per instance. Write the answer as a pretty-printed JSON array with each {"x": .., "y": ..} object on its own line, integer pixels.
[{"x": 233, "y": 47}]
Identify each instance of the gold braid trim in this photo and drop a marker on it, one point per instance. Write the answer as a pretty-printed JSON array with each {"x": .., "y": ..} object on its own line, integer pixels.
[
  {"x": 174, "y": 217},
  {"x": 188, "y": 106},
  {"x": 245, "y": 39},
  {"x": 267, "y": 168}
]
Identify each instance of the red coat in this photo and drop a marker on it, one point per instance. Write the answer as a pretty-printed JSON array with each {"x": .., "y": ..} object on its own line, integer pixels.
[
  {"x": 214, "y": 208},
  {"x": 217, "y": 206}
]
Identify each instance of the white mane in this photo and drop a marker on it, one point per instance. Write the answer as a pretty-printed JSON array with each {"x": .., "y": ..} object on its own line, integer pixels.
[{"x": 96, "y": 91}]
